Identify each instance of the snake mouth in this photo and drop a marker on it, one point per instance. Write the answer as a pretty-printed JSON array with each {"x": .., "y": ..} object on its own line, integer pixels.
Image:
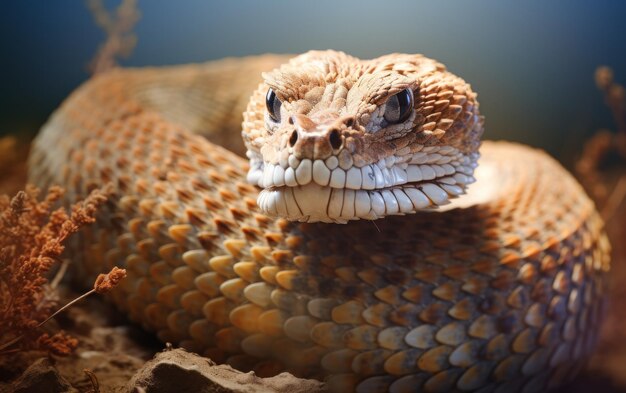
[{"x": 322, "y": 191}]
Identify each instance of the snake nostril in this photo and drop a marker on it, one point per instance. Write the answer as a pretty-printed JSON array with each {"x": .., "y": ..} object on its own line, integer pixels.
[
  {"x": 335, "y": 139},
  {"x": 294, "y": 138},
  {"x": 349, "y": 122}
]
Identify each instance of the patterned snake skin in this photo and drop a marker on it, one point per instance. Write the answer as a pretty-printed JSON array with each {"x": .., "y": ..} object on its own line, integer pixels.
[{"x": 502, "y": 290}]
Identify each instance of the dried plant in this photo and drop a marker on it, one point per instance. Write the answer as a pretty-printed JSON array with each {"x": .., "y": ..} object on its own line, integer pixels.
[
  {"x": 608, "y": 187},
  {"x": 120, "y": 39},
  {"x": 602, "y": 145},
  {"x": 93, "y": 380},
  {"x": 31, "y": 243},
  {"x": 602, "y": 171}
]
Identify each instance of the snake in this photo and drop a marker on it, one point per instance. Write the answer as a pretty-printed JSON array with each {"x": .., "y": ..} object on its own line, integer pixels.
[{"x": 350, "y": 227}]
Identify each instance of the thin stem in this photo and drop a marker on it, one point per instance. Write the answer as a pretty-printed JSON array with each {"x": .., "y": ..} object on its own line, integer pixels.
[
  {"x": 84, "y": 295},
  {"x": 18, "y": 338},
  {"x": 615, "y": 199},
  {"x": 95, "y": 386},
  {"x": 8, "y": 344},
  {"x": 8, "y": 352},
  {"x": 60, "y": 274}
]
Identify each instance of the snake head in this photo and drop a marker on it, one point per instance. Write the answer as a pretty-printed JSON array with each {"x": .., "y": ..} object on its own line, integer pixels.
[{"x": 332, "y": 138}]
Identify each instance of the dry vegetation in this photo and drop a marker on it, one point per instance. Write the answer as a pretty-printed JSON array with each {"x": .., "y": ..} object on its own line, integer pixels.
[
  {"x": 31, "y": 244},
  {"x": 120, "y": 38},
  {"x": 602, "y": 171},
  {"x": 600, "y": 167},
  {"x": 32, "y": 232}
]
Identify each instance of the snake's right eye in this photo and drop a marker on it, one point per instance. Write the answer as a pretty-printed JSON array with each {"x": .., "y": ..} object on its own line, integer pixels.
[
  {"x": 399, "y": 106},
  {"x": 273, "y": 105}
]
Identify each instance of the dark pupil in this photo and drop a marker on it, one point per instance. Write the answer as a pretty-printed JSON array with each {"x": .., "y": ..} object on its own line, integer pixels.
[
  {"x": 273, "y": 105},
  {"x": 398, "y": 107}
]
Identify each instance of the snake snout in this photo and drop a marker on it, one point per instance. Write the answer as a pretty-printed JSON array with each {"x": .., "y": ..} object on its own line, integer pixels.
[{"x": 317, "y": 140}]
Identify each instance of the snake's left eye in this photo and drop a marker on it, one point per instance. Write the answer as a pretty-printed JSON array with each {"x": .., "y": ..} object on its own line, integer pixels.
[
  {"x": 273, "y": 105},
  {"x": 398, "y": 107}
]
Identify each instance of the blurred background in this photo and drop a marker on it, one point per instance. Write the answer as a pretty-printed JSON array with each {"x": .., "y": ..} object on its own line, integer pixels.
[{"x": 531, "y": 62}]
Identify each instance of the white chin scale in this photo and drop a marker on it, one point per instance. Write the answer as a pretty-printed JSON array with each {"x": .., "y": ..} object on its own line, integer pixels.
[
  {"x": 323, "y": 191},
  {"x": 315, "y": 203}
]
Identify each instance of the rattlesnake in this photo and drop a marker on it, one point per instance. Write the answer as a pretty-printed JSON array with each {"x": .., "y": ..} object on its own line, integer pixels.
[{"x": 501, "y": 289}]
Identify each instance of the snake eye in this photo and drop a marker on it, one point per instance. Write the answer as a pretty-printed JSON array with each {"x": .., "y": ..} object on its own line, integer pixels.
[
  {"x": 273, "y": 105},
  {"x": 398, "y": 107}
]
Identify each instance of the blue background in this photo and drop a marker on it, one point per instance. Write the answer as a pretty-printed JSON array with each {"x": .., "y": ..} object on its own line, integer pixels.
[{"x": 532, "y": 62}]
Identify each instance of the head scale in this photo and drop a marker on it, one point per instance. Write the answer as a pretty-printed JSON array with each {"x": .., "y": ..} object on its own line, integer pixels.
[{"x": 333, "y": 138}]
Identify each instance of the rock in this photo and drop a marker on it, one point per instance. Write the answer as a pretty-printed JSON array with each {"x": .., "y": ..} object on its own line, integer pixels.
[
  {"x": 180, "y": 371},
  {"x": 41, "y": 377}
]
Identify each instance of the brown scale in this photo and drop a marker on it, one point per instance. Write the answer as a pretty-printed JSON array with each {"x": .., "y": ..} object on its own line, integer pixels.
[{"x": 502, "y": 296}]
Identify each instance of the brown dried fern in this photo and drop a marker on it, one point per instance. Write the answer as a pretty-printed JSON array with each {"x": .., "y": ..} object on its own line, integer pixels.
[{"x": 31, "y": 243}]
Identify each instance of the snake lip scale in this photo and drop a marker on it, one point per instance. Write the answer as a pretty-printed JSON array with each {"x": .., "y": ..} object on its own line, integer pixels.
[
  {"x": 485, "y": 278},
  {"x": 405, "y": 188}
]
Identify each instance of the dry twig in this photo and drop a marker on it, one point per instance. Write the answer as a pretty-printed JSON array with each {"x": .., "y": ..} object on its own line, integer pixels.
[
  {"x": 120, "y": 39},
  {"x": 95, "y": 385},
  {"x": 602, "y": 144}
]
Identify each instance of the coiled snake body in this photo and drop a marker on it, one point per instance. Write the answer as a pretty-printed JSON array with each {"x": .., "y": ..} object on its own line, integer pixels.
[{"x": 501, "y": 289}]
